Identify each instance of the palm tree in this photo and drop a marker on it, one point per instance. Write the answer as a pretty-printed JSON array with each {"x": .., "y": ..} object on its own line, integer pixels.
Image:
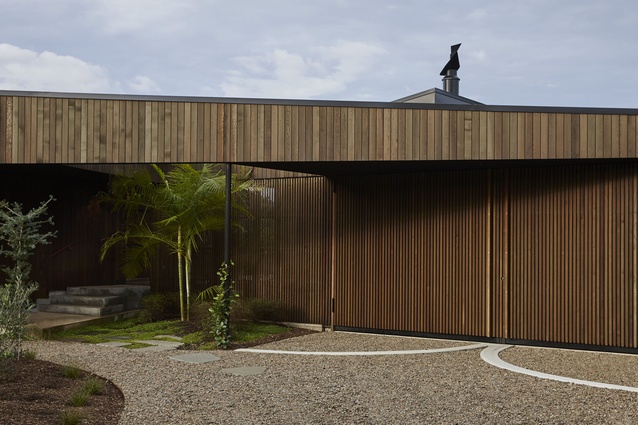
[{"x": 174, "y": 213}]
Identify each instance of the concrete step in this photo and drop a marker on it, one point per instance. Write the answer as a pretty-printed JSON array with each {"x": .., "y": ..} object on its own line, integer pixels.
[
  {"x": 108, "y": 290},
  {"x": 133, "y": 293},
  {"x": 94, "y": 301},
  {"x": 81, "y": 309}
]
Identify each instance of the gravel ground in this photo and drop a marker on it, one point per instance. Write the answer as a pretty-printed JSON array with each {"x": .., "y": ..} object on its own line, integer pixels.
[{"x": 454, "y": 387}]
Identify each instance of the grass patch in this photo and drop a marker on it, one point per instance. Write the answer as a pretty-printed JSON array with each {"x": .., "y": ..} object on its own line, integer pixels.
[
  {"x": 79, "y": 398},
  {"x": 29, "y": 354},
  {"x": 93, "y": 386},
  {"x": 134, "y": 345},
  {"x": 71, "y": 372},
  {"x": 71, "y": 417},
  {"x": 192, "y": 334},
  {"x": 249, "y": 331},
  {"x": 110, "y": 331}
]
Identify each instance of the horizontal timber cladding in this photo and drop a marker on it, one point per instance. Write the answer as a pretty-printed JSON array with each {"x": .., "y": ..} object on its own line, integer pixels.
[
  {"x": 118, "y": 130},
  {"x": 540, "y": 253}
]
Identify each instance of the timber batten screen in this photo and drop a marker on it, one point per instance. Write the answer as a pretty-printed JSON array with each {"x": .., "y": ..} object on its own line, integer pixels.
[
  {"x": 533, "y": 254},
  {"x": 118, "y": 130},
  {"x": 280, "y": 251}
]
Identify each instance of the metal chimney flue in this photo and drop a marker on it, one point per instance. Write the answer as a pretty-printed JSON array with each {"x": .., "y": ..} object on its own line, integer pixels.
[{"x": 450, "y": 79}]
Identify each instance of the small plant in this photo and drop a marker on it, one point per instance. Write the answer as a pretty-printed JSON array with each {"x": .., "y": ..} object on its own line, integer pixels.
[
  {"x": 29, "y": 354},
  {"x": 71, "y": 372},
  {"x": 224, "y": 296},
  {"x": 93, "y": 386},
  {"x": 79, "y": 398},
  {"x": 71, "y": 417}
]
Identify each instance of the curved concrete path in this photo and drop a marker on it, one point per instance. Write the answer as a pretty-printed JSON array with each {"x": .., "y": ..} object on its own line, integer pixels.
[
  {"x": 363, "y": 353},
  {"x": 490, "y": 355}
]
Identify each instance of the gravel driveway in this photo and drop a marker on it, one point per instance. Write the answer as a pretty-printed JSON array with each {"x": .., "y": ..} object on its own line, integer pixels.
[{"x": 451, "y": 387}]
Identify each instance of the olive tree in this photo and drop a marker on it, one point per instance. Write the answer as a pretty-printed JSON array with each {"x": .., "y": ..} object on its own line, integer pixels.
[{"x": 20, "y": 234}]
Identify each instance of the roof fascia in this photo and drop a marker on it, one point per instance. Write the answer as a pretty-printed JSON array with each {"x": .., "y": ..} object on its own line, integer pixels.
[{"x": 336, "y": 103}]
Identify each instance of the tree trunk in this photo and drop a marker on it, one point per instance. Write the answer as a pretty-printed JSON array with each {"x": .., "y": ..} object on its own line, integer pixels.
[
  {"x": 187, "y": 262},
  {"x": 180, "y": 273}
]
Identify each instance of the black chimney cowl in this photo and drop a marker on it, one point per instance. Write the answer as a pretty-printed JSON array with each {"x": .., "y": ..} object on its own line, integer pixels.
[{"x": 450, "y": 80}]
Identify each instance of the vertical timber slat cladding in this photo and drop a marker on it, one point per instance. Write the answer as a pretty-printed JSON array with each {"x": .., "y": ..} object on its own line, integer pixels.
[
  {"x": 571, "y": 267},
  {"x": 393, "y": 244},
  {"x": 288, "y": 261},
  {"x": 281, "y": 253},
  {"x": 538, "y": 254},
  {"x": 98, "y": 130}
]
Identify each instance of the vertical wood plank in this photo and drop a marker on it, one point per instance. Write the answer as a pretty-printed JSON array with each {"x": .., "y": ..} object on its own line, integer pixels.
[
  {"x": 544, "y": 136},
  {"x": 316, "y": 131},
  {"x": 623, "y": 136},
  {"x": 468, "y": 130},
  {"x": 448, "y": 136},
  {"x": 434, "y": 150},
  {"x": 612, "y": 135}
]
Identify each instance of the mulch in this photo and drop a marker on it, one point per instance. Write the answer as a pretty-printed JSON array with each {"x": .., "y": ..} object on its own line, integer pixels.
[{"x": 38, "y": 392}]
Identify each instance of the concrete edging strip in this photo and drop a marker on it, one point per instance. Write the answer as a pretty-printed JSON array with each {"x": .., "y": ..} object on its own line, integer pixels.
[
  {"x": 362, "y": 353},
  {"x": 490, "y": 355}
]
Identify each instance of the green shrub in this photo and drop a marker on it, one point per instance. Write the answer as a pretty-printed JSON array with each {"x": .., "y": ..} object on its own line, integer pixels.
[
  {"x": 224, "y": 297},
  {"x": 267, "y": 310},
  {"x": 242, "y": 312},
  {"x": 79, "y": 398},
  {"x": 20, "y": 234},
  {"x": 71, "y": 372},
  {"x": 200, "y": 318},
  {"x": 160, "y": 306},
  {"x": 71, "y": 417},
  {"x": 93, "y": 386},
  {"x": 29, "y": 354}
]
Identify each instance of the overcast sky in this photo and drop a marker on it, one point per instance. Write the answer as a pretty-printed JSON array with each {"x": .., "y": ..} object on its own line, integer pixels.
[{"x": 514, "y": 52}]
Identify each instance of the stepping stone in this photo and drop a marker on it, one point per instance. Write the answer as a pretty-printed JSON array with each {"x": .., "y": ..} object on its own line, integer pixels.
[
  {"x": 196, "y": 358},
  {"x": 114, "y": 344},
  {"x": 122, "y": 337},
  {"x": 245, "y": 371}
]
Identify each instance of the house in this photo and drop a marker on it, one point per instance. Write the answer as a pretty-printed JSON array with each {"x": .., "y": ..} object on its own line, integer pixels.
[{"x": 450, "y": 218}]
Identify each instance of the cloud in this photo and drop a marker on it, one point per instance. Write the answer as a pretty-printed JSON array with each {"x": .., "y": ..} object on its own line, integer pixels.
[
  {"x": 22, "y": 69},
  {"x": 322, "y": 71},
  {"x": 478, "y": 15},
  {"x": 140, "y": 17},
  {"x": 143, "y": 84},
  {"x": 478, "y": 55}
]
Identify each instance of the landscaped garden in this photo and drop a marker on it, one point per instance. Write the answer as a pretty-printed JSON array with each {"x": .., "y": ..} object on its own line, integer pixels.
[
  {"x": 172, "y": 214},
  {"x": 35, "y": 391}
]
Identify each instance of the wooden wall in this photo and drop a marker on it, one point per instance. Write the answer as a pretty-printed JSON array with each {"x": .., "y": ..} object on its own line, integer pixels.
[
  {"x": 119, "y": 130},
  {"x": 537, "y": 254},
  {"x": 546, "y": 253},
  {"x": 281, "y": 251}
]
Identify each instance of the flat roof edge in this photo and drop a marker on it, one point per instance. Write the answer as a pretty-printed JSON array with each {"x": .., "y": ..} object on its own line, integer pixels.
[{"x": 337, "y": 103}]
